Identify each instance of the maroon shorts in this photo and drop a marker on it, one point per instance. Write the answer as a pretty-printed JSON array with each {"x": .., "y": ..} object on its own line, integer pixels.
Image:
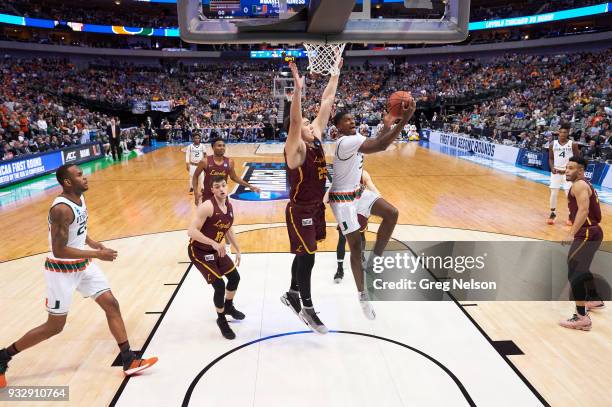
[
  {"x": 363, "y": 224},
  {"x": 210, "y": 264},
  {"x": 306, "y": 227}
]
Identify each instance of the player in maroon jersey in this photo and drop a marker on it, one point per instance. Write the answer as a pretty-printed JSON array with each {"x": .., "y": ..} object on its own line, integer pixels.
[
  {"x": 585, "y": 238},
  {"x": 216, "y": 164},
  {"x": 305, "y": 212},
  {"x": 213, "y": 222},
  {"x": 212, "y": 165}
]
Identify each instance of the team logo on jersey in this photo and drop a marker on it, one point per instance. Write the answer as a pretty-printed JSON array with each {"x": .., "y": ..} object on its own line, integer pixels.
[{"x": 271, "y": 178}]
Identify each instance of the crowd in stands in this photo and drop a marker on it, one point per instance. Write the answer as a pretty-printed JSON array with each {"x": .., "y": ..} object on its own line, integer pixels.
[{"x": 517, "y": 99}]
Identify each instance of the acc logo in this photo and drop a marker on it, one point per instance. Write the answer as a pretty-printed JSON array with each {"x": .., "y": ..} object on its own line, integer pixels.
[
  {"x": 71, "y": 156},
  {"x": 271, "y": 178}
]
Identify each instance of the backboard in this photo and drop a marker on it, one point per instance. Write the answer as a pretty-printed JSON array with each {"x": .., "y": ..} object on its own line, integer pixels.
[{"x": 323, "y": 21}]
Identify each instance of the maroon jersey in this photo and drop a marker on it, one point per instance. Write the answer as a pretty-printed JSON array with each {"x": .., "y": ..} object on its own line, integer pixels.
[
  {"x": 211, "y": 170},
  {"x": 216, "y": 226},
  {"x": 594, "y": 215},
  {"x": 307, "y": 182}
]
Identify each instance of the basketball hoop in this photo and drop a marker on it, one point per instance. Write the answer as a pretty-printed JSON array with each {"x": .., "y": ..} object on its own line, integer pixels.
[{"x": 324, "y": 58}]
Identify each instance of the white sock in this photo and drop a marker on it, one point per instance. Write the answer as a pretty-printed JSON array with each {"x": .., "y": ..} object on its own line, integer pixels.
[{"x": 554, "y": 193}]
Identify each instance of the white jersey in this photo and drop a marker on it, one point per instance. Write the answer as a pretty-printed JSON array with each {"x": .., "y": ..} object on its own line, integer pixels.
[
  {"x": 195, "y": 154},
  {"x": 562, "y": 154},
  {"x": 348, "y": 164},
  {"x": 77, "y": 230}
]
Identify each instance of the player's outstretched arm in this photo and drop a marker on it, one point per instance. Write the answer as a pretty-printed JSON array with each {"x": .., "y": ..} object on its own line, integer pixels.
[
  {"x": 294, "y": 143},
  {"x": 386, "y": 136},
  {"x": 61, "y": 217},
  {"x": 240, "y": 181},
  {"x": 327, "y": 103}
]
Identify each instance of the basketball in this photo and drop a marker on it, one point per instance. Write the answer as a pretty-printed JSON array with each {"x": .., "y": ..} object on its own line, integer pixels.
[{"x": 394, "y": 105}]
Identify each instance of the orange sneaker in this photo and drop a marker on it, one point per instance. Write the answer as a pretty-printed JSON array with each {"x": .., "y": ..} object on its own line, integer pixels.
[
  {"x": 580, "y": 322},
  {"x": 551, "y": 219},
  {"x": 595, "y": 305},
  {"x": 3, "y": 367},
  {"x": 138, "y": 365}
]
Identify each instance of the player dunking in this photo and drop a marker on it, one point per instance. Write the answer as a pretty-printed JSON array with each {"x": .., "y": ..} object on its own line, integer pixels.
[
  {"x": 305, "y": 212},
  {"x": 217, "y": 164},
  {"x": 69, "y": 267},
  {"x": 194, "y": 154},
  {"x": 348, "y": 198},
  {"x": 560, "y": 151},
  {"x": 585, "y": 238},
  {"x": 213, "y": 222}
]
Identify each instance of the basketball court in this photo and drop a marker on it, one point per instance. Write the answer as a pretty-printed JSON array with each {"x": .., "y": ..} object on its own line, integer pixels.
[{"x": 426, "y": 353}]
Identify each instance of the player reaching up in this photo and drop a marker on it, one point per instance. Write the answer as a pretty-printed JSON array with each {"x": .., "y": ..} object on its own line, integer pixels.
[
  {"x": 349, "y": 198},
  {"x": 305, "y": 212}
]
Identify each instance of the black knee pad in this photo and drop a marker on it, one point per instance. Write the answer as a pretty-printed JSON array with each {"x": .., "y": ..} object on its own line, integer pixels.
[
  {"x": 219, "y": 296},
  {"x": 233, "y": 279}
]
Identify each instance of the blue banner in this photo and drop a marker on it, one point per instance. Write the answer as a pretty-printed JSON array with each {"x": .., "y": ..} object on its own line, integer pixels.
[
  {"x": 21, "y": 169},
  {"x": 541, "y": 18},
  {"x": 32, "y": 166},
  {"x": 533, "y": 159}
]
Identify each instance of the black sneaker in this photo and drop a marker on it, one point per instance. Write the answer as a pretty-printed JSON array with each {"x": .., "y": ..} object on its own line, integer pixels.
[
  {"x": 310, "y": 318},
  {"x": 292, "y": 300},
  {"x": 191, "y": 190},
  {"x": 3, "y": 368},
  {"x": 339, "y": 276},
  {"x": 234, "y": 313},
  {"x": 551, "y": 218},
  {"x": 226, "y": 331}
]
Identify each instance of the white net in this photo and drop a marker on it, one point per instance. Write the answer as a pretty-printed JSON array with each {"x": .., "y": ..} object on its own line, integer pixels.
[{"x": 324, "y": 58}]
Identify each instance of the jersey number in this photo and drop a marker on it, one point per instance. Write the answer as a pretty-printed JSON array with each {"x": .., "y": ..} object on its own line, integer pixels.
[
  {"x": 219, "y": 237},
  {"x": 562, "y": 154},
  {"x": 82, "y": 229}
]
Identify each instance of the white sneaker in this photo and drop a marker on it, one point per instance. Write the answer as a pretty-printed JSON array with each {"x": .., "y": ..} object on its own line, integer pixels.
[{"x": 366, "y": 307}]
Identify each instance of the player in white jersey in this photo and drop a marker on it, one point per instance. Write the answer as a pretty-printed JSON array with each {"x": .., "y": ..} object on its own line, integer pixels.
[
  {"x": 194, "y": 154},
  {"x": 348, "y": 197},
  {"x": 560, "y": 151},
  {"x": 69, "y": 267}
]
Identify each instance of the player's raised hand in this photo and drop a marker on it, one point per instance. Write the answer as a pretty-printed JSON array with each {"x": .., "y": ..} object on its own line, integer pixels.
[
  {"x": 408, "y": 109},
  {"x": 299, "y": 80},
  {"x": 107, "y": 254},
  {"x": 389, "y": 119}
]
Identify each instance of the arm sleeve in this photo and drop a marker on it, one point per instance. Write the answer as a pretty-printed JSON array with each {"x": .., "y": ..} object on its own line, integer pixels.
[
  {"x": 187, "y": 154},
  {"x": 347, "y": 146}
]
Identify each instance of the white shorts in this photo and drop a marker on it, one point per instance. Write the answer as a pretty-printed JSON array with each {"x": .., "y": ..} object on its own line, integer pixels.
[
  {"x": 559, "y": 181},
  {"x": 192, "y": 170},
  {"x": 61, "y": 286},
  {"x": 346, "y": 212}
]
